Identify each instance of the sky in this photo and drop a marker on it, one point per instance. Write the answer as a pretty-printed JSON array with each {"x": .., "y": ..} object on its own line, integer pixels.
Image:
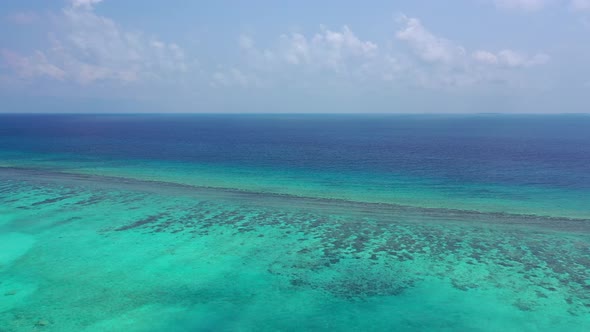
[{"x": 413, "y": 56}]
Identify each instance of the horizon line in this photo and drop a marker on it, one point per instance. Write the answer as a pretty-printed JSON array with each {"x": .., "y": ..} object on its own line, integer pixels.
[{"x": 280, "y": 113}]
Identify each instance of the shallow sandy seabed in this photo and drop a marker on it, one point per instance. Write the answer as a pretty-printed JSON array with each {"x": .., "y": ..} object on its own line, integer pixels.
[{"x": 105, "y": 255}]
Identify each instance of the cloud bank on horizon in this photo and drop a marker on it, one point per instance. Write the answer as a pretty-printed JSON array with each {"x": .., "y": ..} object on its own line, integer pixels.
[{"x": 472, "y": 56}]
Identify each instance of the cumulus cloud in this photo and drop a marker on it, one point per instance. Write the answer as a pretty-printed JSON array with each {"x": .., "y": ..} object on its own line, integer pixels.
[
  {"x": 86, "y": 48},
  {"x": 510, "y": 58},
  {"x": 448, "y": 63},
  {"x": 87, "y": 4},
  {"x": 486, "y": 57},
  {"x": 425, "y": 44},
  {"x": 427, "y": 60},
  {"x": 434, "y": 49},
  {"x": 32, "y": 66},
  {"x": 328, "y": 49},
  {"x": 323, "y": 55}
]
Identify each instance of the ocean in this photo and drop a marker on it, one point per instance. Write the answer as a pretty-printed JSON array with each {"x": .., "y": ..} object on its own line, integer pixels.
[{"x": 292, "y": 222}]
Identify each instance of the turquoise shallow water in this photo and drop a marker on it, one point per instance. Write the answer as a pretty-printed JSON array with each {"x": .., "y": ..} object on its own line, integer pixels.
[
  {"x": 294, "y": 223},
  {"x": 95, "y": 253}
]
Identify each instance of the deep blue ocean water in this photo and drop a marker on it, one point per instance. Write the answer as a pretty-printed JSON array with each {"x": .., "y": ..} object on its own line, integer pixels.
[{"x": 545, "y": 150}]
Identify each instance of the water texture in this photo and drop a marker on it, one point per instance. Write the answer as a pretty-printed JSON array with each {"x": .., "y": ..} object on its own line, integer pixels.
[{"x": 291, "y": 223}]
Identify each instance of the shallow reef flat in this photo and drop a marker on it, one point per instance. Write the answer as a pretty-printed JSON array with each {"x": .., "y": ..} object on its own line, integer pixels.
[
  {"x": 97, "y": 253},
  {"x": 432, "y": 191}
]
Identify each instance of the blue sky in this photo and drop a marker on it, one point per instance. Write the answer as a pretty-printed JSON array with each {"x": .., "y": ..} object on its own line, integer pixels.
[{"x": 463, "y": 56}]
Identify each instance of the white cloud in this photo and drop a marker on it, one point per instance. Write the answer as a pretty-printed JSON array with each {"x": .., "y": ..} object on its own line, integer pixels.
[
  {"x": 87, "y": 48},
  {"x": 448, "y": 62},
  {"x": 296, "y": 49},
  {"x": 33, "y": 66},
  {"x": 318, "y": 56},
  {"x": 485, "y": 57},
  {"x": 341, "y": 55},
  {"x": 425, "y": 44},
  {"x": 510, "y": 58},
  {"x": 327, "y": 49},
  {"x": 86, "y": 4},
  {"x": 517, "y": 59},
  {"x": 331, "y": 50},
  {"x": 527, "y": 5},
  {"x": 246, "y": 42},
  {"x": 434, "y": 49}
]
